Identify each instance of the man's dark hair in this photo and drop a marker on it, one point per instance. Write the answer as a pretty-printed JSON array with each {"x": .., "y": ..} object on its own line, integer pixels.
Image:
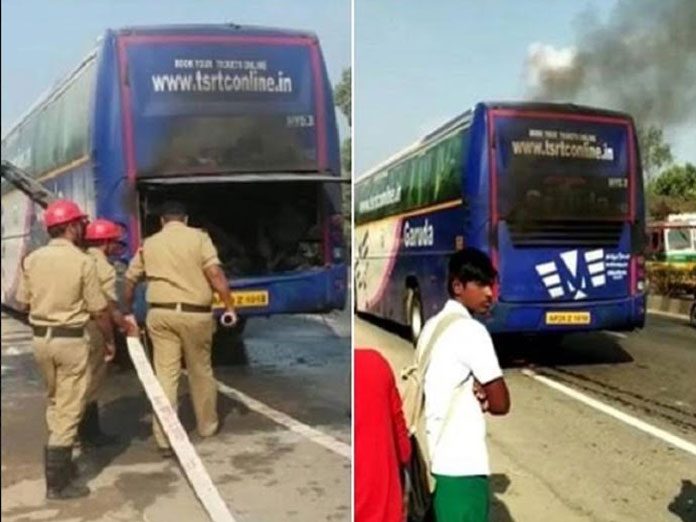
[
  {"x": 58, "y": 230},
  {"x": 472, "y": 265},
  {"x": 173, "y": 210}
]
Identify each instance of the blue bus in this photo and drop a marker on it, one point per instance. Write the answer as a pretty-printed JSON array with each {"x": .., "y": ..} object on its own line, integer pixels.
[
  {"x": 236, "y": 122},
  {"x": 552, "y": 192}
]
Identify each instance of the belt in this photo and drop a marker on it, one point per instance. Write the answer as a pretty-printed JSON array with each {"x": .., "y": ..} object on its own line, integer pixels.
[
  {"x": 58, "y": 331},
  {"x": 182, "y": 307}
]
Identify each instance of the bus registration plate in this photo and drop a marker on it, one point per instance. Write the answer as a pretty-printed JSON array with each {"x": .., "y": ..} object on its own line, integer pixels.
[
  {"x": 244, "y": 299},
  {"x": 562, "y": 318}
]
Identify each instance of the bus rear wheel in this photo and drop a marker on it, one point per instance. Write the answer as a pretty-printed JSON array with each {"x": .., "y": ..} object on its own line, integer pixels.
[{"x": 414, "y": 314}]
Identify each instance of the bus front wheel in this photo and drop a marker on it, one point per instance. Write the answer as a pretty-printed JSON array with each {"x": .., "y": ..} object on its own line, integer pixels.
[{"x": 414, "y": 313}]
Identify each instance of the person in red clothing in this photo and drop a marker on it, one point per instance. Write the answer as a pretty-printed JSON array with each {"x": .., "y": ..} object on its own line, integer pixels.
[{"x": 381, "y": 441}]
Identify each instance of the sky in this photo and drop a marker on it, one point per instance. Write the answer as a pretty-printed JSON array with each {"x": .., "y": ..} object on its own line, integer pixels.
[
  {"x": 42, "y": 40},
  {"x": 422, "y": 63}
]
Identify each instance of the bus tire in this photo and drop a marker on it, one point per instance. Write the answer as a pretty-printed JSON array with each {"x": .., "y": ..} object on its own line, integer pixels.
[
  {"x": 549, "y": 345},
  {"x": 414, "y": 314},
  {"x": 228, "y": 345}
]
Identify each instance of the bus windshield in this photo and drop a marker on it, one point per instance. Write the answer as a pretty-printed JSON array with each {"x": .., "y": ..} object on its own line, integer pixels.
[
  {"x": 562, "y": 170},
  {"x": 679, "y": 239},
  {"x": 555, "y": 191},
  {"x": 224, "y": 107}
]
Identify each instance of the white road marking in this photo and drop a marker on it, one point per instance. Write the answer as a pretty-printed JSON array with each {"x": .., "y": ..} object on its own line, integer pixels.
[
  {"x": 669, "y": 314},
  {"x": 616, "y": 334},
  {"x": 13, "y": 351},
  {"x": 617, "y": 414},
  {"x": 188, "y": 458},
  {"x": 314, "y": 435}
]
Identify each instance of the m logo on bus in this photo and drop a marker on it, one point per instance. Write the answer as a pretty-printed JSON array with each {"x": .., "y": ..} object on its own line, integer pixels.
[{"x": 583, "y": 272}]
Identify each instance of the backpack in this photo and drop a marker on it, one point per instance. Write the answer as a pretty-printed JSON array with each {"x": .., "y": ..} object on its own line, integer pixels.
[{"x": 420, "y": 483}]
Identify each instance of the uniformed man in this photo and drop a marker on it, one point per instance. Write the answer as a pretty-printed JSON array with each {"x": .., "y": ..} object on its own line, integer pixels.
[
  {"x": 182, "y": 269},
  {"x": 60, "y": 288},
  {"x": 102, "y": 239}
]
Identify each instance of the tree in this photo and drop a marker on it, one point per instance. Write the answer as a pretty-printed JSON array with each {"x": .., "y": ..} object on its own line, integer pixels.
[
  {"x": 677, "y": 181},
  {"x": 655, "y": 153},
  {"x": 673, "y": 191},
  {"x": 343, "y": 98}
]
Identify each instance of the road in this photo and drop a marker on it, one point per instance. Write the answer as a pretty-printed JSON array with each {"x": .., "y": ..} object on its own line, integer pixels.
[
  {"x": 556, "y": 458},
  {"x": 297, "y": 367}
]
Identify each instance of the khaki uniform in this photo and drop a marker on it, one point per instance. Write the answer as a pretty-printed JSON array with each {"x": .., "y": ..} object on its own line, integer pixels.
[
  {"x": 173, "y": 263},
  {"x": 59, "y": 283},
  {"x": 97, "y": 365}
]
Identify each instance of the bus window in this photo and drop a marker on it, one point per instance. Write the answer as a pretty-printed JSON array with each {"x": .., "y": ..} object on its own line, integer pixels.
[{"x": 678, "y": 239}]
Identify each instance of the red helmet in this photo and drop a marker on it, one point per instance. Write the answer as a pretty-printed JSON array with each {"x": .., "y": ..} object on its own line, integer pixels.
[
  {"x": 102, "y": 229},
  {"x": 62, "y": 211}
]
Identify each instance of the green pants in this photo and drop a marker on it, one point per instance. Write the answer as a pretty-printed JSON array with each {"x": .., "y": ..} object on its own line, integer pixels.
[{"x": 461, "y": 499}]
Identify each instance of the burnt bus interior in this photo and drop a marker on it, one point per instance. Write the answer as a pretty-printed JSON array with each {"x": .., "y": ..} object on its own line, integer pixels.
[{"x": 258, "y": 228}]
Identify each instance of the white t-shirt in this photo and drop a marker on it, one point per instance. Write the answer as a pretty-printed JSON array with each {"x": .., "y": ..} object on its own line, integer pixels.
[{"x": 464, "y": 349}]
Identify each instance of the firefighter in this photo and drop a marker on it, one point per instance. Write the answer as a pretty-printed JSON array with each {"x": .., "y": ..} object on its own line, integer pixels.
[
  {"x": 102, "y": 239},
  {"x": 60, "y": 288},
  {"x": 182, "y": 269}
]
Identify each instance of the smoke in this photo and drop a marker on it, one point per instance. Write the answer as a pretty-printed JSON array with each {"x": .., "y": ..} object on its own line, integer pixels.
[{"x": 642, "y": 61}]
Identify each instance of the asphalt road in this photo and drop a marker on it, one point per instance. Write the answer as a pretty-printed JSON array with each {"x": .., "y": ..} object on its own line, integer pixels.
[
  {"x": 298, "y": 368},
  {"x": 556, "y": 458}
]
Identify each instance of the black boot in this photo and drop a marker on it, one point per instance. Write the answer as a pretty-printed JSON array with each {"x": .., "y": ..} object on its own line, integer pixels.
[
  {"x": 89, "y": 430},
  {"x": 58, "y": 463}
]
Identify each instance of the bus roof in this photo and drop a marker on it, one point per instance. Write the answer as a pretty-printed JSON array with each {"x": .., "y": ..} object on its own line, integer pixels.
[
  {"x": 213, "y": 29},
  {"x": 208, "y": 29},
  {"x": 567, "y": 108},
  {"x": 464, "y": 119},
  {"x": 448, "y": 127},
  {"x": 687, "y": 217}
]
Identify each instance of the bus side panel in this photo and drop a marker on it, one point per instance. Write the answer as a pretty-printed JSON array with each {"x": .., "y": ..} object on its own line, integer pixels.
[
  {"x": 395, "y": 250},
  {"x": 333, "y": 148},
  {"x": 377, "y": 246},
  {"x": 477, "y": 183},
  {"x": 115, "y": 200},
  {"x": 427, "y": 264},
  {"x": 76, "y": 185},
  {"x": 23, "y": 229},
  {"x": 19, "y": 218}
]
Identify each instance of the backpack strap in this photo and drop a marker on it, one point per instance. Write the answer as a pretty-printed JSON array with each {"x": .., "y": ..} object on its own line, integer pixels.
[
  {"x": 424, "y": 362},
  {"x": 423, "y": 356},
  {"x": 450, "y": 409}
]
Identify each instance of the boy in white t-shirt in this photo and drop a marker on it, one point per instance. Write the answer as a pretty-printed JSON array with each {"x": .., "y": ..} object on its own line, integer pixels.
[{"x": 463, "y": 365}]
